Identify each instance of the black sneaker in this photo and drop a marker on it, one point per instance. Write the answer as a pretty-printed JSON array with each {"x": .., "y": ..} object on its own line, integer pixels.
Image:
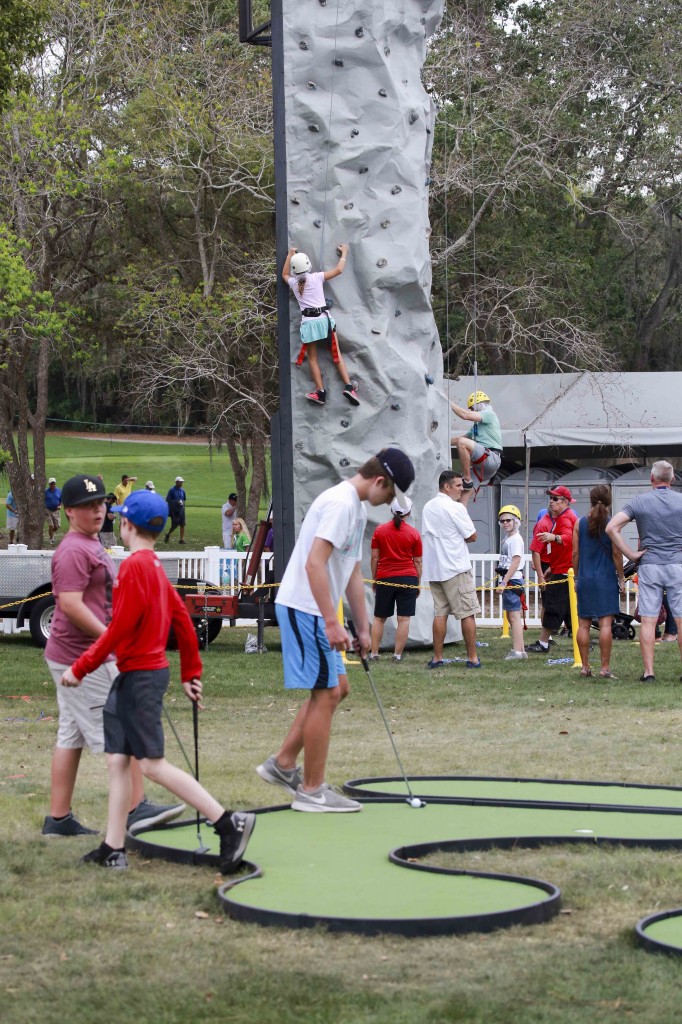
[
  {"x": 146, "y": 815},
  {"x": 468, "y": 485},
  {"x": 105, "y": 857},
  {"x": 537, "y": 648},
  {"x": 317, "y": 397},
  {"x": 350, "y": 392},
  {"x": 234, "y": 840},
  {"x": 68, "y": 826}
]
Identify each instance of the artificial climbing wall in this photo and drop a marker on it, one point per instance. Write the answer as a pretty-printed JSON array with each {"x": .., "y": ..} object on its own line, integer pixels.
[{"x": 359, "y": 132}]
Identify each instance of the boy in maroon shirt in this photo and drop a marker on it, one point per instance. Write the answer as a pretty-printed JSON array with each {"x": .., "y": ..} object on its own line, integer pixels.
[{"x": 145, "y": 606}]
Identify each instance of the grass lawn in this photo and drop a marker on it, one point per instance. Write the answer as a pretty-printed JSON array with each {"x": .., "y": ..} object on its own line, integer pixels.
[
  {"x": 207, "y": 472},
  {"x": 80, "y": 945}
]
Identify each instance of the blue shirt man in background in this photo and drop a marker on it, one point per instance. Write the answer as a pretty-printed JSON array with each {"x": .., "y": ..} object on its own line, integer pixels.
[{"x": 177, "y": 500}]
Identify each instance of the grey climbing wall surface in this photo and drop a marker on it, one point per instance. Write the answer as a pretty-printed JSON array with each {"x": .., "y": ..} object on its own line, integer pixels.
[{"x": 359, "y": 131}]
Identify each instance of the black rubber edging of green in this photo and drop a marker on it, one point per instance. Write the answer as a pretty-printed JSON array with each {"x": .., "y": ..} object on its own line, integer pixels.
[
  {"x": 656, "y": 945},
  {"x": 155, "y": 851},
  {"x": 354, "y": 788}
]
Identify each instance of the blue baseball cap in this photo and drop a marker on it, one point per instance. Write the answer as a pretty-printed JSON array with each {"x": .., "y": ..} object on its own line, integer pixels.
[{"x": 145, "y": 509}]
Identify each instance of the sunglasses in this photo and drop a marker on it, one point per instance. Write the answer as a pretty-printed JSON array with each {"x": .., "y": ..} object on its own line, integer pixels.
[{"x": 505, "y": 521}]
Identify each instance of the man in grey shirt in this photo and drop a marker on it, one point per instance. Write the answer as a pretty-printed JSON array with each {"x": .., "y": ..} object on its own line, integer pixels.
[{"x": 658, "y": 515}]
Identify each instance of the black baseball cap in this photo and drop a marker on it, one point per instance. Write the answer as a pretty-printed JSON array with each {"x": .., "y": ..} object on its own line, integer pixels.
[
  {"x": 81, "y": 489},
  {"x": 232, "y": 497},
  {"x": 400, "y": 469}
]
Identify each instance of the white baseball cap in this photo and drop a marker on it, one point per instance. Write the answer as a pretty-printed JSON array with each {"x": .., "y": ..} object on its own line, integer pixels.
[
  {"x": 180, "y": 479},
  {"x": 52, "y": 480},
  {"x": 403, "y": 507}
]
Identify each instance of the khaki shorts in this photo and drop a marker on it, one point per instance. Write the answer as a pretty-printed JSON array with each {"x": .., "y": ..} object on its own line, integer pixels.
[
  {"x": 456, "y": 596},
  {"x": 53, "y": 517},
  {"x": 81, "y": 707}
]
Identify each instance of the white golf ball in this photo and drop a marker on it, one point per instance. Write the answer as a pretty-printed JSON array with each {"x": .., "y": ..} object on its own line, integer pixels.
[{"x": 415, "y": 802}]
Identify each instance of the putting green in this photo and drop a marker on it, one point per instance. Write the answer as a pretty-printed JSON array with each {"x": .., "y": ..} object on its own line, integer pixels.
[
  {"x": 662, "y": 932},
  {"x": 355, "y": 872}
]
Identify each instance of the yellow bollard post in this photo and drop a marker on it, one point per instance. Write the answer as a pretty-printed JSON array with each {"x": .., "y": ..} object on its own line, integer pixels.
[
  {"x": 505, "y": 627},
  {"x": 573, "y": 600}
]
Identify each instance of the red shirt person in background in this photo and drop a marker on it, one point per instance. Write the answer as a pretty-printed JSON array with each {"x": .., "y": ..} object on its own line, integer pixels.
[
  {"x": 552, "y": 544},
  {"x": 397, "y": 564}
]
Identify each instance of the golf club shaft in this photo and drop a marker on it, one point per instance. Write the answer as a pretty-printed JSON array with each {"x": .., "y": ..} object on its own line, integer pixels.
[
  {"x": 177, "y": 738},
  {"x": 195, "y": 722},
  {"x": 365, "y": 665}
]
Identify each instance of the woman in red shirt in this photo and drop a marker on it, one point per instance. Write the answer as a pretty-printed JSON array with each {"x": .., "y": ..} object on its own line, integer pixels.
[{"x": 397, "y": 566}]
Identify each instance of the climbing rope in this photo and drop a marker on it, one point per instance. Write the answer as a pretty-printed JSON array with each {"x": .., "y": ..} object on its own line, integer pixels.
[{"x": 329, "y": 139}]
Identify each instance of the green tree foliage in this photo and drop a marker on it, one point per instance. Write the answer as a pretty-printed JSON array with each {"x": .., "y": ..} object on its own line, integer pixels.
[{"x": 20, "y": 37}]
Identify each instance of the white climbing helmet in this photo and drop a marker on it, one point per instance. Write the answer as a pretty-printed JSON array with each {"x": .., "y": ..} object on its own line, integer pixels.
[{"x": 300, "y": 264}]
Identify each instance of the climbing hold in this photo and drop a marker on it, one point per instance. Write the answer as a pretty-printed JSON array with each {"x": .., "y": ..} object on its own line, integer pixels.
[
  {"x": 428, "y": 131},
  {"x": 385, "y": 223},
  {"x": 375, "y": 331},
  {"x": 363, "y": 170},
  {"x": 382, "y": 262},
  {"x": 414, "y": 116},
  {"x": 428, "y": 378},
  {"x": 382, "y": 92},
  {"x": 338, "y": 62},
  {"x": 387, "y": 50},
  {"x": 438, "y": 456},
  {"x": 323, "y": 3},
  {"x": 348, "y": 206},
  {"x": 339, "y": 251},
  {"x": 303, "y": 45},
  {"x": 317, "y": 223},
  {"x": 395, "y": 190},
  {"x": 295, "y": 201},
  {"x": 344, "y": 462},
  {"x": 313, "y": 127},
  {"x": 311, "y": 85},
  {"x": 428, "y": 181},
  {"x": 345, "y": 423},
  {"x": 299, "y": 446},
  {"x": 398, "y": 312},
  {"x": 355, "y": 131},
  {"x": 360, "y": 32},
  {"x": 396, "y": 407},
  {"x": 434, "y": 425}
]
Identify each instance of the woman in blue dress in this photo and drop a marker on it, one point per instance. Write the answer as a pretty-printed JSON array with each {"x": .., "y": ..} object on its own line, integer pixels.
[{"x": 598, "y": 568}]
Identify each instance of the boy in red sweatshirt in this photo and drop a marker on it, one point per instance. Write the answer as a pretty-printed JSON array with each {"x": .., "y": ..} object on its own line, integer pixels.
[{"x": 145, "y": 606}]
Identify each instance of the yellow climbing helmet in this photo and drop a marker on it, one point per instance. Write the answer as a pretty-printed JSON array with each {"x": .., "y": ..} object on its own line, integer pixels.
[
  {"x": 475, "y": 397},
  {"x": 511, "y": 509}
]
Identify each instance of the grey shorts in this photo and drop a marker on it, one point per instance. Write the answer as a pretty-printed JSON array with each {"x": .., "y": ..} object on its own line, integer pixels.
[
  {"x": 456, "y": 596},
  {"x": 81, "y": 707},
  {"x": 485, "y": 470},
  {"x": 653, "y": 580}
]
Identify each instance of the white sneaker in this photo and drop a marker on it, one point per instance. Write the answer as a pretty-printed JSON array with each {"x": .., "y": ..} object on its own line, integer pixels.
[
  {"x": 324, "y": 798},
  {"x": 516, "y": 656},
  {"x": 397, "y": 657}
]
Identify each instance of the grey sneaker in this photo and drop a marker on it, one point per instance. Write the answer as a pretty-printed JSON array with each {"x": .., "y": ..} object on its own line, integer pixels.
[
  {"x": 324, "y": 798},
  {"x": 516, "y": 656},
  {"x": 107, "y": 858},
  {"x": 147, "y": 814},
  {"x": 288, "y": 778},
  {"x": 68, "y": 826}
]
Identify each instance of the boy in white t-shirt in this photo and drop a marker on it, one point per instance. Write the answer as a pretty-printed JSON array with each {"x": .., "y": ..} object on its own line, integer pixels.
[
  {"x": 316, "y": 323},
  {"x": 511, "y": 577},
  {"x": 324, "y": 564}
]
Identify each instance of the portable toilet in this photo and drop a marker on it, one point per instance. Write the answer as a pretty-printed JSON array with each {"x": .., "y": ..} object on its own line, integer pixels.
[
  {"x": 628, "y": 486},
  {"x": 483, "y": 511},
  {"x": 540, "y": 478},
  {"x": 581, "y": 481}
]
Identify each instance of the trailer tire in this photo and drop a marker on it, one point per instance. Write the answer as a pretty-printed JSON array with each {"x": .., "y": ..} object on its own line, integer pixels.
[{"x": 40, "y": 619}]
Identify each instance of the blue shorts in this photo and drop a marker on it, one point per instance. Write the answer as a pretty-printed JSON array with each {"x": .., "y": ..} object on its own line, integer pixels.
[
  {"x": 309, "y": 661},
  {"x": 511, "y": 596},
  {"x": 316, "y": 329}
]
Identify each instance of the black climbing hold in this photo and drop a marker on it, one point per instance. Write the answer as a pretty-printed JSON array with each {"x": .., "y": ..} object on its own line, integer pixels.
[
  {"x": 330, "y": 303},
  {"x": 428, "y": 378},
  {"x": 299, "y": 446},
  {"x": 375, "y": 331},
  {"x": 438, "y": 456},
  {"x": 413, "y": 116},
  {"x": 396, "y": 407},
  {"x": 395, "y": 190},
  {"x": 382, "y": 262},
  {"x": 313, "y": 127},
  {"x": 317, "y": 223},
  {"x": 385, "y": 223},
  {"x": 344, "y": 462},
  {"x": 339, "y": 251},
  {"x": 348, "y": 206},
  {"x": 295, "y": 201},
  {"x": 345, "y": 423},
  {"x": 355, "y": 131},
  {"x": 323, "y": 3},
  {"x": 303, "y": 45},
  {"x": 398, "y": 312},
  {"x": 311, "y": 85},
  {"x": 363, "y": 170},
  {"x": 360, "y": 32},
  {"x": 434, "y": 425},
  {"x": 338, "y": 62},
  {"x": 387, "y": 50},
  {"x": 428, "y": 131},
  {"x": 382, "y": 92},
  {"x": 428, "y": 181}
]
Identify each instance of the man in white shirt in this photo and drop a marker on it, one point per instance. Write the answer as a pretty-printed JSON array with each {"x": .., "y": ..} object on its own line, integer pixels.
[
  {"x": 324, "y": 564},
  {"x": 446, "y": 530}
]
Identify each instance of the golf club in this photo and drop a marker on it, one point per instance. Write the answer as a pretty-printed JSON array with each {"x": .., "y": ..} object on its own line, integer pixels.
[
  {"x": 412, "y": 800},
  {"x": 193, "y": 771}
]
